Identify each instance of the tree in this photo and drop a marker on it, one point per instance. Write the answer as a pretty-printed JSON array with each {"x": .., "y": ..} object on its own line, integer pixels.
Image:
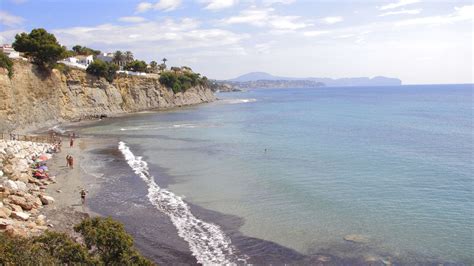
[
  {"x": 153, "y": 66},
  {"x": 41, "y": 46},
  {"x": 164, "y": 61},
  {"x": 103, "y": 69},
  {"x": 7, "y": 63},
  {"x": 82, "y": 50},
  {"x": 128, "y": 56},
  {"x": 136, "y": 65},
  {"x": 107, "y": 239},
  {"x": 118, "y": 58}
]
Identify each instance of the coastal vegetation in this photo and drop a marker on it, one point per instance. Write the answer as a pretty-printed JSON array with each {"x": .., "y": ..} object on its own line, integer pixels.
[
  {"x": 6, "y": 63},
  {"x": 82, "y": 50},
  {"x": 103, "y": 69},
  {"x": 105, "y": 243},
  {"x": 41, "y": 46},
  {"x": 180, "y": 81}
]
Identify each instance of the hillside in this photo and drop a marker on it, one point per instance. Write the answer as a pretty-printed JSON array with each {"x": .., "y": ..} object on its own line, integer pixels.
[
  {"x": 341, "y": 82},
  {"x": 32, "y": 99}
]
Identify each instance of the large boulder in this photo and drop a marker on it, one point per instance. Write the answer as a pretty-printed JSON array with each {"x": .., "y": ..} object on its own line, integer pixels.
[
  {"x": 21, "y": 185},
  {"x": 46, "y": 200},
  {"x": 10, "y": 185},
  {"x": 22, "y": 216},
  {"x": 5, "y": 212},
  {"x": 4, "y": 223},
  {"x": 22, "y": 202}
]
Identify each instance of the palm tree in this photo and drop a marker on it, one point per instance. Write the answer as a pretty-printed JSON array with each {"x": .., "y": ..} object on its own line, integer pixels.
[
  {"x": 128, "y": 56},
  {"x": 164, "y": 61},
  {"x": 118, "y": 58}
]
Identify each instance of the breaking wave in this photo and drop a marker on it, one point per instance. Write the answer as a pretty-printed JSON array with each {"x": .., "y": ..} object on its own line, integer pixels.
[
  {"x": 237, "y": 101},
  {"x": 207, "y": 241}
]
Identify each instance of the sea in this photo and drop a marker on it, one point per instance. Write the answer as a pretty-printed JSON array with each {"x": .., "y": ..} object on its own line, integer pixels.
[{"x": 349, "y": 175}]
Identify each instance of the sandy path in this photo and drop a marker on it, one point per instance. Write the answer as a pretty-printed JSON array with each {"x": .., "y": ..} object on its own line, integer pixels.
[{"x": 67, "y": 209}]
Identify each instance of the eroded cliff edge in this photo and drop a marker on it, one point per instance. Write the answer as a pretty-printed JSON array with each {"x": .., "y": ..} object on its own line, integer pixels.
[{"x": 32, "y": 99}]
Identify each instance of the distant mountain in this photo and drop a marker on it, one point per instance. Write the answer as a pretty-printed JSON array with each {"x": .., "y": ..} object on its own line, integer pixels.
[{"x": 342, "y": 82}]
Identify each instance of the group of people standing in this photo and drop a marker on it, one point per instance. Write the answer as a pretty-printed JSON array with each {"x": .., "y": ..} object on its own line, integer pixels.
[{"x": 69, "y": 158}]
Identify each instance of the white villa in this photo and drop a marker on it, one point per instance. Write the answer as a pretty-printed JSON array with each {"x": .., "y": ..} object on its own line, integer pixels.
[
  {"x": 79, "y": 61},
  {"x": 106, "y": 57},
  {"x": 9, "y": 51}
]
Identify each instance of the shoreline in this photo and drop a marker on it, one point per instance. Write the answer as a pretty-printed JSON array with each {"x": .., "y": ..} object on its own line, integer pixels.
[{"x": 157, "y": 238}]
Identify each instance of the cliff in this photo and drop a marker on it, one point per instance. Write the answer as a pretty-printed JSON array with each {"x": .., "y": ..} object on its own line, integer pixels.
[{"x": 33, "y": 99}]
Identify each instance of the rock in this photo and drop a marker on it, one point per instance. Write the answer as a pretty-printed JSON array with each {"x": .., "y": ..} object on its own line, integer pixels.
[
  {"x": 14, "y": 231},
  {"x": 5, "y": 212},
  {"x": 23, "y": 202},
  {"x": 4, "y": 223},
  {"x": 22, "y": 216},
  {"x": 10, "y": 185},
  {"x": 21, "y": 185},
  {"x": 8, "y": 169},
  {"x": 1, "y": 173},
  {"x": 31, "y": 225},
  {"x": 59, "y": 191},
  {"x": 15, "y": 207},
  {"x": 40, "y": 220},
  {"x": 356, "y": 238},
  {"x": 47, "y": 200}
]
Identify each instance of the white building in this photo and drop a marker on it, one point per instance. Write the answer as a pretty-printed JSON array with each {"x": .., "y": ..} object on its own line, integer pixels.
[
  {"x": 106, "y": 57},
  {"x": 79, "y": 61},
  {"x": 9, "y": 51}
]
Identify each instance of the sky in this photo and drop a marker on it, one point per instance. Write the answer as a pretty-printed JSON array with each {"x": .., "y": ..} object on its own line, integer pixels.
[{"x": 418, "y": 41}]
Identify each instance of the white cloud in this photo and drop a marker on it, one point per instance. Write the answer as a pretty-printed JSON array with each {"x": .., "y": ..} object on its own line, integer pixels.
[
  {"x": 460, "y": 14},
  {"x": 332, "y": 20},
  {"x": 315, "y": 33},
  {"x": 399, "y": 3},
  {"x": 132, "y": 19},
  {"x": 401, "y": 12},
  {"x": 170, "y": 34},
  {"x": 219, "y": 4},
  {"x": 266, "y": 18},
  {"x": 283, "y": 2},
  {"x": 9, "y": 19},
  {"x": 8, "y": 36},
  {"x": 165, "y": 5}
]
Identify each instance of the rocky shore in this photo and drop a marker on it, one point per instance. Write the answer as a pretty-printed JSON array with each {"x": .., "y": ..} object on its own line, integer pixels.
[{"x": 22, "y": 196}]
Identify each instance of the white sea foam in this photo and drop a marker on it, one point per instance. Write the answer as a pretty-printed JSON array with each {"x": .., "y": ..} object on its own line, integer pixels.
[
  {"x": 58, "y": 129},
  {"x": 237, "y": 101},
  {"x": 207, "y": 241}
]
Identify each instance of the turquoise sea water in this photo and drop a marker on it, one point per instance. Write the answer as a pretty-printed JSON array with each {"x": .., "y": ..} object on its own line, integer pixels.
[{"x": 305, "y": 167}]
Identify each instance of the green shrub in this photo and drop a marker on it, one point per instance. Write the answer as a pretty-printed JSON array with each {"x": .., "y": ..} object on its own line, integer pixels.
[
  {"x": 103, "y": 69},
  {"x": 106, "y": 243},
  {"x": 41, "y": 46},
  {"x": 136, "y": 65},
  {"x": 63, "y": 68},
  {"x": 7, "y": 63},
  {"x": 109, "y": 241},
  {"x": 181, "y": 81}
]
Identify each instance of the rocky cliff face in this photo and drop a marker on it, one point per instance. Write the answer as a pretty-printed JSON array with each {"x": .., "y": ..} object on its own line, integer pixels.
[{"x": 33, "y": 99}]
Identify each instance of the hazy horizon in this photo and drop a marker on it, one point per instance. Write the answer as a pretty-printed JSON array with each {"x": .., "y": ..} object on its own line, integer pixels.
[{"x": 419, "y": 42}]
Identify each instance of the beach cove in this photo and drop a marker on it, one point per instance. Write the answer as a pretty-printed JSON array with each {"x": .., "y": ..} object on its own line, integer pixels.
[{"x": 182, "y": 162}]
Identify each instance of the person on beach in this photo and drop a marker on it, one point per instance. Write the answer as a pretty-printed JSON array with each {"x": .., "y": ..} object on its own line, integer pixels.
[
  {"x": 71, "y": 142},
  {"x": 71, "y": 162},
  {"x": 67, "y": 160},
  {"x": 83, "y": 193}
]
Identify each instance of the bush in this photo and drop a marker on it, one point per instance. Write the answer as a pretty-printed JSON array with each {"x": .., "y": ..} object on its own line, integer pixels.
[
  {"x": 103, "y": 69},
  {"x": 108, "y": 239},
  {"x": 41, "y": 46},
  {"x": 7, "y": 63},
  {"x": 181, "y": 81},
  {"x": 63, "y": 68},
  {"x": 107, "y": 243},
  {"x": 136, "y": 65}
]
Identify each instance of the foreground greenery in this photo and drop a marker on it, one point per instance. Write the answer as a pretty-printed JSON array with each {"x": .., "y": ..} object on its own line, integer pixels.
[
  {"x": 180, "y": 81},
  {"x": 41, "y": 46},
  {"x": 105, "y": 243},
  {"x": 7, "y": 63}
]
